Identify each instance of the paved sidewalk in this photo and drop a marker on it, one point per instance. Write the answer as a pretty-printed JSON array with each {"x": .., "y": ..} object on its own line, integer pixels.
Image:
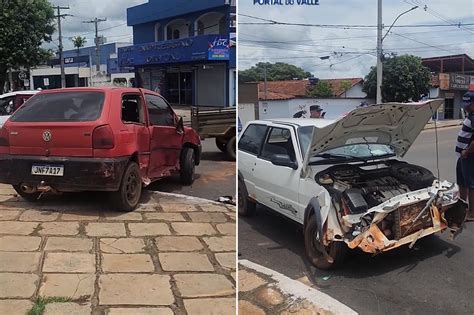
[
  {"x": 263, "y": 291},
  {"x": 443, "y": 123},
  {"x": 173, "y": 255}
]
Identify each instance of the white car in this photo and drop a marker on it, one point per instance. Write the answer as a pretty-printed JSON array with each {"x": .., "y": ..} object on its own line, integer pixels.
[
  {"x": 342, "y": 182},
  {"x": 9, "y": 102}
]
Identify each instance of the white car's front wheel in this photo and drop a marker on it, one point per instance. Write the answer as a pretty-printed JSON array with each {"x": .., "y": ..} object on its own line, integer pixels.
[{"x": 336, "y": 250}]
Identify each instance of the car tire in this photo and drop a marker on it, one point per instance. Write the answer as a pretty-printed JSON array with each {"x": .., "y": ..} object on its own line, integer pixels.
[
  {"x": 188, "y": 166},
  {"x": 128, "y": 196},
  {"x": 337, "y": 250},
  {"x": 221, "y": 144},
  {"x": 416, "y": 177},
  {"x": 246, "y": 208},
  {"x": 230, "y": 148},
  {"x": 28, "y": 196}
]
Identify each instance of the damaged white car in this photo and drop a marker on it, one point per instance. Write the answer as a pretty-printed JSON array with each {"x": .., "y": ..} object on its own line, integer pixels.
[{"x": 343, "y": 182}]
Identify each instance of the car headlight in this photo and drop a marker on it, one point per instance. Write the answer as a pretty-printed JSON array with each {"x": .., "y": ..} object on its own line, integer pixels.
[{"x": 449, "y": 197}]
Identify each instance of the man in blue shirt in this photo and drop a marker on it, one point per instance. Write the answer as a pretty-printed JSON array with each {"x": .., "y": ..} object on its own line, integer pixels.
[{"x": 465, "y": 153}]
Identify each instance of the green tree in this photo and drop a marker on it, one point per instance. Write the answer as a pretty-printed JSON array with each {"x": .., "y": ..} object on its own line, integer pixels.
[
  {"x": 404, "y": 79},
  {"x": 320, "y": 89},
  {"x": 275, "y": 72},
  {"x": 25, "y": 26},
  {"x": 78, "y": 42},
  {"x": 346, "y": 85}
]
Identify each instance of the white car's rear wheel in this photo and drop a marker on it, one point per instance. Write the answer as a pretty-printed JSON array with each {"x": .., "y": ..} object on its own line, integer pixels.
[{"x": 246, "y": 207}]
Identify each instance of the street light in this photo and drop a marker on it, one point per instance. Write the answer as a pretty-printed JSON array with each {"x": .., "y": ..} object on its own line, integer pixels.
[{"x": 379, "y": 46}]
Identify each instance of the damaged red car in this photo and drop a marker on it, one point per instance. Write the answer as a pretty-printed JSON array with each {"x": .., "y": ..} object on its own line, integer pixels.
[{"x": 115, "y": 140}]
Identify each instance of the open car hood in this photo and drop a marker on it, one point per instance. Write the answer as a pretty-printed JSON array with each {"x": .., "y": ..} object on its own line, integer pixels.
[{"x": 394, "y": 124}]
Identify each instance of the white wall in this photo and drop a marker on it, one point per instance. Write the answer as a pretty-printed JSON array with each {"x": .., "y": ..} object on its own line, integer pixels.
[
  {"x": 355, "y": 92},
  {"x": 246, "y": 112},
  {"x": 334, "y": 107}
]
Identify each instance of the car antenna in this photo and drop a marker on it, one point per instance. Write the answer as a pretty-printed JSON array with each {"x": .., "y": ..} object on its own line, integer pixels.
[{"x": 436, "y": 136}]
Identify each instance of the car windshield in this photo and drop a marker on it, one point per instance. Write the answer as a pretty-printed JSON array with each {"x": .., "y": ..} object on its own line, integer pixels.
[{"x": 61, "y": 107}]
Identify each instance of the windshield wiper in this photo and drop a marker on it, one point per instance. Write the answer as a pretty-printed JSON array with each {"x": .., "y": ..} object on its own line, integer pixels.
[{"x": 345, "y": 156}]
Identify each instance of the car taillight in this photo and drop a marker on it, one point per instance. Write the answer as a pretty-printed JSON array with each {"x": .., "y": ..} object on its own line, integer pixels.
[
  {"x": 103, "y": 138},
  {"x": 3, "y": 137}
]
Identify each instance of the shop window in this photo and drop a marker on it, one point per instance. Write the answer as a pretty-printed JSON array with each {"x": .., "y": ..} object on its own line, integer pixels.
[
  {"x": 132, "y": 111},
  {"x": 177, "y": 29}
]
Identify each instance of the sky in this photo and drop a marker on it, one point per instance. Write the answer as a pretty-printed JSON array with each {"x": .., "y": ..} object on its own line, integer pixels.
[
  {"x": 351, "y": 51},
  {"x": 115, "y": 28}
]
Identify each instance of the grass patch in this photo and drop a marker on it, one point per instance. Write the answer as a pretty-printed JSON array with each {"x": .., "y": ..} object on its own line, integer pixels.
[{"x": 40, "y": 303}]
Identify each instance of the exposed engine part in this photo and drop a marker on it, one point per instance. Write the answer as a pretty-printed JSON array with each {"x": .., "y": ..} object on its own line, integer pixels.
[{"x": 355, "y": 201}]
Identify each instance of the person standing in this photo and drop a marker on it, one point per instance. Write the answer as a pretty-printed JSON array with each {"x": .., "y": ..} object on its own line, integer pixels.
[{"x": 465, "y": 153}]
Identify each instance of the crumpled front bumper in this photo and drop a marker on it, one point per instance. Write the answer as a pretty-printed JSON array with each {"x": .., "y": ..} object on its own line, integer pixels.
[{"x": 375, "y": 239}]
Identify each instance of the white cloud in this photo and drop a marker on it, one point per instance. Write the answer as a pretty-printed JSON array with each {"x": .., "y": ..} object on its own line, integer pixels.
[{"x": 314, "y": 42}]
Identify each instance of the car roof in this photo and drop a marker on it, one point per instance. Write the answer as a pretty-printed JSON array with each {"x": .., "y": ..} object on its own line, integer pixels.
[
  {"x": 98, "y": 89},
  {"x": 29, "y": 92},
  {"x": 300, "y": 122}
]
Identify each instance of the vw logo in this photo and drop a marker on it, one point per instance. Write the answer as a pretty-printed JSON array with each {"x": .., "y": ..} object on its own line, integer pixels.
[{"x": 47, "y": 135}]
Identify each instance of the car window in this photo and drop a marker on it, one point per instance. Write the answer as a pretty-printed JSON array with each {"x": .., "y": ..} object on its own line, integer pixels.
[
  {"x": 280, "y": 142},
  {"x": 159, "y": 111},
  {"x": 7, "y": 106},
  {"x": 132, "y": 109},
  {"x": 252, "y": 139},
  {"x": 59, "y": 107}
]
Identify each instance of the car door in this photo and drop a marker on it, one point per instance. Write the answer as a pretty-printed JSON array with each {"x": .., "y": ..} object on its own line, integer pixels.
[
  {"x": 250, "y": 144},
  {"x": 278, "y": 186},
  {"x": 166, "y": 137}
]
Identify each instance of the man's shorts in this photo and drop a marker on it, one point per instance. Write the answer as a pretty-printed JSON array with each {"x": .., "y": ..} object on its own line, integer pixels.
[{"x": 465, "y": 172}]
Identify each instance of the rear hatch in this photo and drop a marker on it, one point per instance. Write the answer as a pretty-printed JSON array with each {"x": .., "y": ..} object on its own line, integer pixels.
[{"x": 56, "y": 124}]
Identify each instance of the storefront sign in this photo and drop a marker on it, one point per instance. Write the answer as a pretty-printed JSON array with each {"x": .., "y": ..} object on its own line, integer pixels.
[
  {"x": 459, "y": 81},
  {"x": 198, "y": 48},
  {"x": 219, "y": 49}
]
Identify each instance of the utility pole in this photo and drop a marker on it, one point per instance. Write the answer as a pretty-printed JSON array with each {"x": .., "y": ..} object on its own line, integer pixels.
[
  {"x": 96, "y": 21},
  {"x": 379, "y": 53},
  {"x": 59, "y": 16}
]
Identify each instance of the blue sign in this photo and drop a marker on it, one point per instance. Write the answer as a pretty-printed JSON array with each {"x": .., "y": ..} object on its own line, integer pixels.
[{"x": 198, "y": 48}]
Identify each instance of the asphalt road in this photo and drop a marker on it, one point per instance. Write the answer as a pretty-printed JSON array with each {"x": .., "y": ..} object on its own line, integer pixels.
[
  {"x": 215, "y": 176},
  {"x": 436, "y": 277}
]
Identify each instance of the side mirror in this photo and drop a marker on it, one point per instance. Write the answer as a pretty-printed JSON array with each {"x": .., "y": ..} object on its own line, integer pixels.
[
  {"x": 180, "y": 125},
  {"x": 284, "y": 160}
]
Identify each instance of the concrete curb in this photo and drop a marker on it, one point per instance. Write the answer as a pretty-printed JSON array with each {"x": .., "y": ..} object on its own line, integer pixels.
[
  {"x": 298, "y": 290},
  {"x": 191, "y": 198},
  {"x": 441, "y": 125}
]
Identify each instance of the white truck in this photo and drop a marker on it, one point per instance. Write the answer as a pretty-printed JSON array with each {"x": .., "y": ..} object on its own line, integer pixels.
[{"x": 342, "y": 182}]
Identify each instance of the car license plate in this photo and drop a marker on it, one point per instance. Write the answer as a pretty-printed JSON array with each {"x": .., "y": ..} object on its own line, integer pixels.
[{"x": 47, "y": 170}]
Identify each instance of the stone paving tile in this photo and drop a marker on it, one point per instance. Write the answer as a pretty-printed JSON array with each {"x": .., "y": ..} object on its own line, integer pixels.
[
  {"x": 232, "y": 215},
  {"x": 59, "y": 228},
  {"x": 123, "y": 216},
  {"x": 70, "y": 244},
  {"x": 188, "y": 228},
  {"x": 148, "y": 229},
  {"x": 213, "y": 208},
  {"x": 82, "y": 215},
  {"x": 74, "y": 286},
  {"x": 185, "y": 262},
  {"x": 15, "y": 306},
  {"x": 165, "y": 216},
  {"x": 17, "y": 228},
  {"x": 127, "y": 263},
  {"x": 215, "y": 217},
  {"x": 17, "y": 285},
  {"x": 69, "y": 263},
  {"x": 39, "y": 215},
  {"x": 227, "y": 260},
  {"x": 122, "y": 245},
  {"x": 19, "y": 262},
  {"x": 141, "y": 311},
  {"x": 19, "y": 243},
  {"x": 7, "y": 215},
  {"x": 221, "y": 244},
  {"x": 67, "y": 308},
  {"x": 227, "y": 228},
  {"x": 135, "y": 289},
  {"x": 105, "y": 229},
  {"x": 178, "y": 243},
  {"x": 217, "y": 306},
  {"x": 247, "y": 308},
  {"x": 177, "y": 207},
  {"x": 203, "y": 285},
  {"x": 249, "y": 281}
]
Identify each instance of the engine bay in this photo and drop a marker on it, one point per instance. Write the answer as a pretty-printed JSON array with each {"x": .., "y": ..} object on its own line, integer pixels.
[{"x": 357, "y": 188}]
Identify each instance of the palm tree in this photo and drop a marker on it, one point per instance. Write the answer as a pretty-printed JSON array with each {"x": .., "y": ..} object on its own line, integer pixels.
[{"x": 78, "y": 42}]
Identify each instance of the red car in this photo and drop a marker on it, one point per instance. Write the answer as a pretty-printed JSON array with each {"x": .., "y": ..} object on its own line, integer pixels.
[{"x": 95, "y": 139}]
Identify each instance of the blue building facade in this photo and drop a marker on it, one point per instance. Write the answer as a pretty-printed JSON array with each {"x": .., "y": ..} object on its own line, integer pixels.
[{"x": 185, "y": 50}]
